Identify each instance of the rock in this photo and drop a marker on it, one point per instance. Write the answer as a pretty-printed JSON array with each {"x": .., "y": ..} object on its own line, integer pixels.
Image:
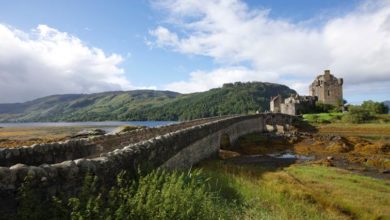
[
  {"x": 225, "y": 154},
  {"x": 336, "y": 138},
  {"x": 85, "y": 165},
  {"x": 124, "y": 129},
  {"x": 20, "y": 171},
  {"x": 329, "y": 158},
  {"x": 67, "y": 170},
  {"x": 87, "y": 133},
  {"x": 8, "y": 153},
  {"x": 385, "y": 171}
]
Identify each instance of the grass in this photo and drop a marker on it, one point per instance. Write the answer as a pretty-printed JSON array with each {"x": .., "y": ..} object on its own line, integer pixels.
[
  {"x": 354, "y": 195},
  {"x": 367, "y": 129},
  {"x": 220, "y": 190},
  {"x": 261, "y": 199},
  {"x": 158, "y": 195},
  {"x": 323, "y": 117},
  {"x": 305, "y": 192},
  {"x": 20, "y": 136},
  {"x": 337, "y": 117}
]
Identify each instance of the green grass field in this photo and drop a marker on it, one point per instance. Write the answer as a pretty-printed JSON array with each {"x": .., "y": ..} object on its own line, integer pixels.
[
  {"x": 322, "y": 117},
  {"x": 326, "y": 118}
]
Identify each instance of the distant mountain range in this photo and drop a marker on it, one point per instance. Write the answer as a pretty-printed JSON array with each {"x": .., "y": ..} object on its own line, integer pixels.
[
  {"x": 388, "y": 104},
  {"x": 143, "y": 105}
]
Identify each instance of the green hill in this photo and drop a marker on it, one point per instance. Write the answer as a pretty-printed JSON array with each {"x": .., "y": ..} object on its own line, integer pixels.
[{"x": 134, "y": 105}]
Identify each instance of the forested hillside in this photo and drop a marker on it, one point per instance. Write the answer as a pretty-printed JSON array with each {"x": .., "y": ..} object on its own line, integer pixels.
[{"x": 134, "y": 105}]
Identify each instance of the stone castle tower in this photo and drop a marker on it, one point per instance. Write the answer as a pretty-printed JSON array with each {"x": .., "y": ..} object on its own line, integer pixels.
[{"x": 328, "y": 89}]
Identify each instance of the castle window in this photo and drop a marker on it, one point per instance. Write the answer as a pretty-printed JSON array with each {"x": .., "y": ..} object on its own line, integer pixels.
[{"x": 328, "y": 93}]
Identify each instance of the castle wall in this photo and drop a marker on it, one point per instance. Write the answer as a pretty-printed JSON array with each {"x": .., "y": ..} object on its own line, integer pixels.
[
  {"x": 328, "y": 89},
  {"x": 288, "y": 108},
  {"x": 275, "y": 104}
]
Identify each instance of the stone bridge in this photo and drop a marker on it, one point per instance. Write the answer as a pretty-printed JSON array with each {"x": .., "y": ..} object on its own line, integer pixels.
[{"x": 60, "y": 167}]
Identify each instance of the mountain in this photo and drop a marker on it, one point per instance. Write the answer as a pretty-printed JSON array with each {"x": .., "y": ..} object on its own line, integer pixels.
[
  {"x": 388, "y": 104},
  {"x": 146, "y": 104}
]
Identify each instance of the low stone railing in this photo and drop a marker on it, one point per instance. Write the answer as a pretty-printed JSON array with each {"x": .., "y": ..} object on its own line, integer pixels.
[{"x": 66, "y": 176}]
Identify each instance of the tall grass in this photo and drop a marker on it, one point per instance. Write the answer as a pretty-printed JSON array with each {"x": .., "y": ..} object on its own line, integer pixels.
[
  {"x": 305, "y": 192},
  {"x": 220, "y": 190},
  {"x": 158, "y": 195}
]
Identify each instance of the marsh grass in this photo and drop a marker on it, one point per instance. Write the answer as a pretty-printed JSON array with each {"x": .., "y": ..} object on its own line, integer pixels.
[
  {"x": 221, "y": 190},
  {"x": 157, "y": 195},
  {"x": 305, "y": 192},
  {"x": 342, "y": 118}
]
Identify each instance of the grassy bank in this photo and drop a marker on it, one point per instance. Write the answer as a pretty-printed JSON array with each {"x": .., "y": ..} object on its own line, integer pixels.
[
  {"x": 305, "y": 192},
  {"x": 222, "y": 190},
  {"x": 344, "y": 129},
  {"x": 322, "y": 117},
  {"x": 339, "y": 118},
  {"x": 19, "y": 136}
]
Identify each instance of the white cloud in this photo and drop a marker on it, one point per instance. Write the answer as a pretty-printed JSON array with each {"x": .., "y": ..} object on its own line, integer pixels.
[
  {"x": 47, "y": 61},
  {"x": 355, "y": 46},
  {"x": 202, "y": 81}
]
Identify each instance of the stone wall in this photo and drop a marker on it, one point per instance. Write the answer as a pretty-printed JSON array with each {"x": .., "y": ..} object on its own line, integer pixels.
[
  {"x": 176, "y": 149},
  {"x": 50, "y": 153},
  {"x": 210, "y": 144},
  {"x": 327, "y": 88},
  {"x": 46, "y": 153}
]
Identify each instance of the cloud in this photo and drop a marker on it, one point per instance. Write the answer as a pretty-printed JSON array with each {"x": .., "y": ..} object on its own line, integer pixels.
[
  {"x": 46, "y": 61},
  {"x": 202, "y": 81},
  {"x": 355, "y": 46}
]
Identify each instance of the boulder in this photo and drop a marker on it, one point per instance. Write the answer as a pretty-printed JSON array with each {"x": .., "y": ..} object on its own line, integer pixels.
[
  {"x": 124, "y": 129},
  {"x": 88, "y": 133}
]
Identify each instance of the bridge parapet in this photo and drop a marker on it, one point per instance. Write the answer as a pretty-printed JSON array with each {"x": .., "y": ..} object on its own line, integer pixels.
[{"x": 175, "y": 149}]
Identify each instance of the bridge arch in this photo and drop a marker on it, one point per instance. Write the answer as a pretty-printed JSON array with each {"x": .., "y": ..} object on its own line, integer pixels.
[{"x": 224, "y": 141}]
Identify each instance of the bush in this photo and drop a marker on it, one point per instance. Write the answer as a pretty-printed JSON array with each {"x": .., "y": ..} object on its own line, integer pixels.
[
  {"x": 357, "y": 114},
  {"x": 324, "y": 108},
  {"x": 375, "y": 107}
]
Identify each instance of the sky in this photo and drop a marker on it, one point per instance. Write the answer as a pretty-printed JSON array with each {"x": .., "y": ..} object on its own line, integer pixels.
[{"x": 71, "y": 46}]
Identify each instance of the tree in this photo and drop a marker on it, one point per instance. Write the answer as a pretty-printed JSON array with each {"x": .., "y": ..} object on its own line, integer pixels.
[
  {"x": 324, "y": 108},
  {"x": 357, "y": 114},
  {"x": 375, "y": 107}
]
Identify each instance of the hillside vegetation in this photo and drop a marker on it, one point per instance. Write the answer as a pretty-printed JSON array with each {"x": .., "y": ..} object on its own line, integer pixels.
[{"x": 140, "y": 105}]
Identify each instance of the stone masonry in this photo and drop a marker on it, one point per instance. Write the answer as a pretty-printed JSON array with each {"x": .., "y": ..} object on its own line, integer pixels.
[
  {"x": 328, "y": 89},
  {"x": 293, "y": 105},
  {"x": 174, "y": 147}
]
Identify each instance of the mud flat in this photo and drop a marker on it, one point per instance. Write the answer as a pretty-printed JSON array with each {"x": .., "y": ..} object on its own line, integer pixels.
[{"x": 25, "y": 134}]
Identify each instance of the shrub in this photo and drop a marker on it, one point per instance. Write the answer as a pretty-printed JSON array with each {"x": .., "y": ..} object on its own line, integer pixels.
[
  {"x": 375, "y": 107},
  {"x": 324, "y": 108},
  {"x": 357, "y": 114},
  {"x": 33, "y": 203}
]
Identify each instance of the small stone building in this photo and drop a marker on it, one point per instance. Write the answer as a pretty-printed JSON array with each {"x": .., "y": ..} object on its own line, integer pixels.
[
  {"x": 293, "y": 105},
  {"x": 328, "y": 89}
]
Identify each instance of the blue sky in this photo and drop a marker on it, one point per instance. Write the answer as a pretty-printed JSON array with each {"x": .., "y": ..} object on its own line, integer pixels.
[{"x": 186, "y": 46}]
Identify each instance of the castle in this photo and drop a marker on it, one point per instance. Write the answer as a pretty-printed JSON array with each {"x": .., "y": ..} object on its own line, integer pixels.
[{"x": 326, "y": 89}]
